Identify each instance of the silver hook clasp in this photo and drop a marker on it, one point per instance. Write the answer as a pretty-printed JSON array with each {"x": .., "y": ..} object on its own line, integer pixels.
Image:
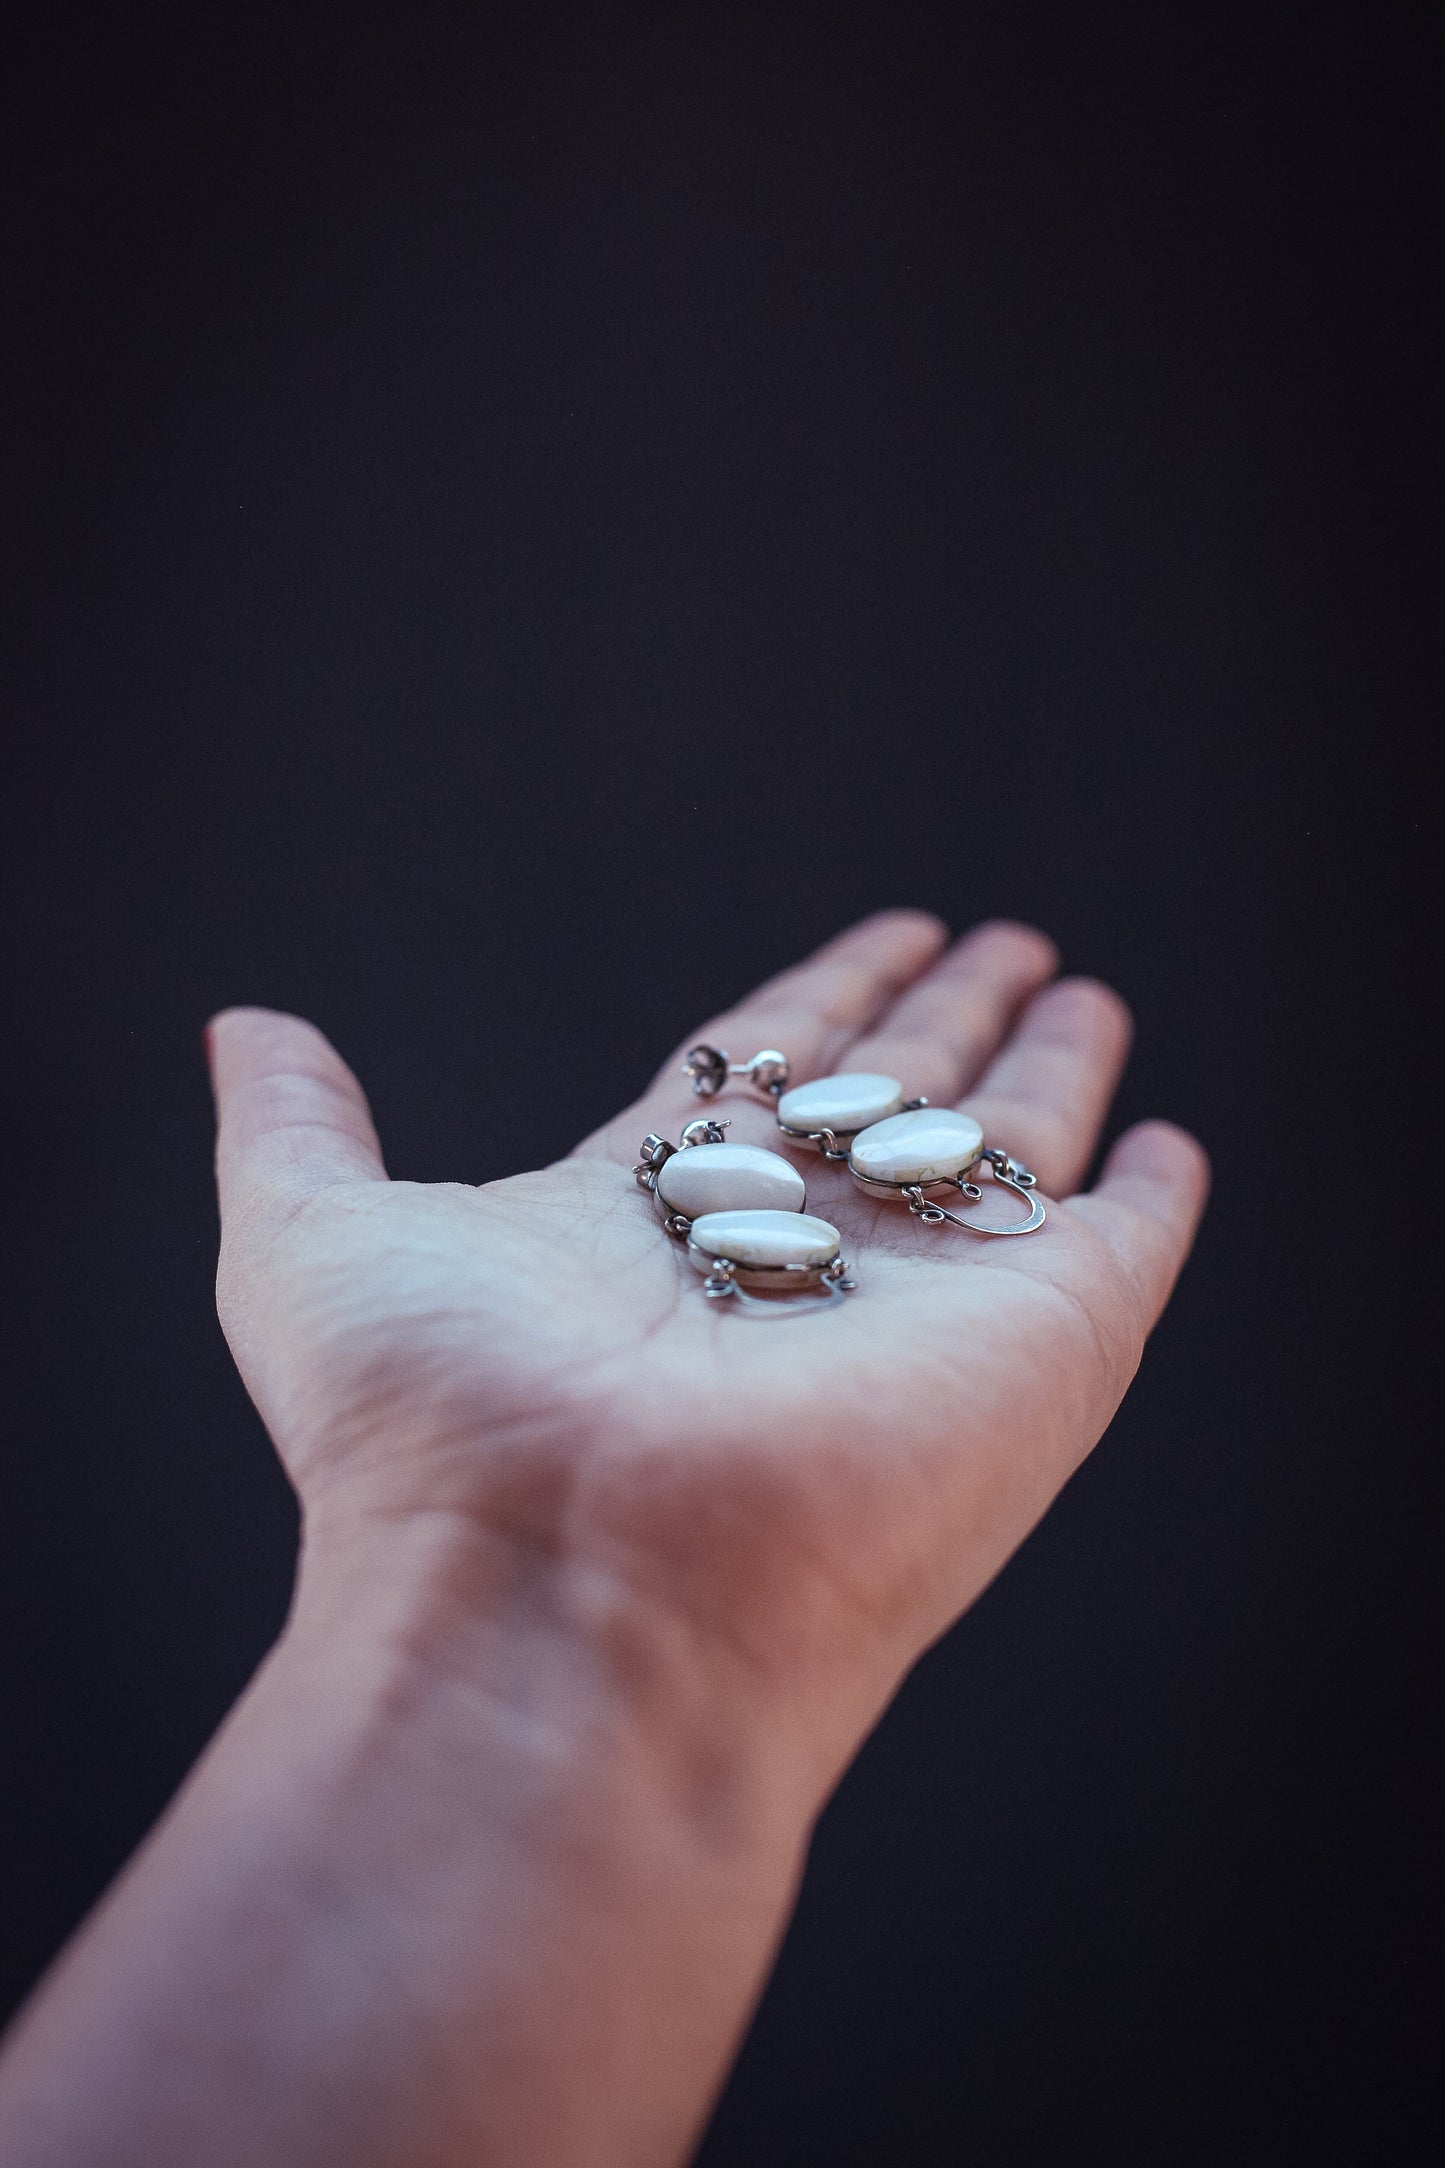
[{"x": 1005, "y": 1170}]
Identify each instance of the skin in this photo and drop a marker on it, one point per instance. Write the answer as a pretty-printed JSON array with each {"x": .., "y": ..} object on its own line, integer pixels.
[{"x": 600, "y": 1587}]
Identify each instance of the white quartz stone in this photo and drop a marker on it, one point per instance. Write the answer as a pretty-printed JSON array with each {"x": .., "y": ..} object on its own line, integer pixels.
[
  {"x": 762, "y": 1238},
  {"x": 840, "y": 1103},
  {"x": 932, "y": 1144},
  {"x": 729, "y": 1177}
]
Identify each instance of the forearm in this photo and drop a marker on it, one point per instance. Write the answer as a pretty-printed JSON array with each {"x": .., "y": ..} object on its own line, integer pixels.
[{"x": 477, "y": 1885}]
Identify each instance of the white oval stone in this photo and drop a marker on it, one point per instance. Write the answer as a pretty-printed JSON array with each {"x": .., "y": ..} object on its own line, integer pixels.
[
  {"x": 705, "y": 1178},
  {"x": 840, "y": 1103},
  {"x": 929, "y": 1144},
  {"x": 762, "y": 1238}
]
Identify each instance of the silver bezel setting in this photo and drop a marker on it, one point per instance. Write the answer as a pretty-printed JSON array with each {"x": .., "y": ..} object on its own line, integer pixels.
[
  {"x": 779, "y": 1277},
  {"x": 727, "y": 1279},
  {"x": 921, "y": 1197},
  {"x": 656, "y": 1152},
  {"x": 903, "y": 1190}
]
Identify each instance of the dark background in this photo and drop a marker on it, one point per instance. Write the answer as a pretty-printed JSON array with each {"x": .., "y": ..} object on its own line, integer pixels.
[{"x": 521, "y": 521}]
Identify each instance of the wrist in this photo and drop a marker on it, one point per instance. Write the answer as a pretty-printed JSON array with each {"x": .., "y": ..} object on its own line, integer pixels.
[
  {"x": 428, "y": 1621},
  {"x": 603, "y": 1831}
]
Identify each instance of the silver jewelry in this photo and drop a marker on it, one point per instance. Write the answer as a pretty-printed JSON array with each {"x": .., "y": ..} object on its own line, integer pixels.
[
  {"x": 786, "y": 1253},
  {"x": 709, "y": 1069},
  {"x": 826, "y": 1115},
  {"x": 895, "y": 1147},
  {"x": 739, "y": 1211},
  {"x": 914, "y": 1155}
]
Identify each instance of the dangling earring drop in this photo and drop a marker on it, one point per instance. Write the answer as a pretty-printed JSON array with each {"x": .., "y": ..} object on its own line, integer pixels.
[
  {"x": 913, "y": 1155},
  {"x": 903, "y": 1148},
  {"x": 739, "y": 1211},
  {"x": 704, "y": 1173}
]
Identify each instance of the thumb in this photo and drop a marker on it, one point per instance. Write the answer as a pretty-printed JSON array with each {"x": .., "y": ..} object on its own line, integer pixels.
[{"x": 291, "y": 1117}]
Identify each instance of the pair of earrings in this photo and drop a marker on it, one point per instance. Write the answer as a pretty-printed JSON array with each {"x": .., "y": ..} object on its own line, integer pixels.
[{"x": 740, "y": 1209}]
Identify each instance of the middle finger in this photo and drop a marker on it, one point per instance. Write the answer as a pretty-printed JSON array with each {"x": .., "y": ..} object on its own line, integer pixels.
[{"x": 937, "y": 1037}]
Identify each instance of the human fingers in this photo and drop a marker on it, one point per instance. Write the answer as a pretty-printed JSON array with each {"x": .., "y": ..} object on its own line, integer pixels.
[
  {"x": 1058, "y": 1370},
  {"x": 811, "y": 1012},
  {"x": 937, "y": 1036},
  {"x": 291, "y": 1117},
  {"x": 1147, "y": 1205},
  {"x": 1045, "y": 1096}
]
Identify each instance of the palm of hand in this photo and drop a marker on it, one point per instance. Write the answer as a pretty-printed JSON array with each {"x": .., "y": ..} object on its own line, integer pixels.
[{"x": 538, "y": 1358}]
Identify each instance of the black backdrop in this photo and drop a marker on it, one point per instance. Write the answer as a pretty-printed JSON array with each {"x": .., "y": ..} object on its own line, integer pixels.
[{"x": 521, "y": 520}]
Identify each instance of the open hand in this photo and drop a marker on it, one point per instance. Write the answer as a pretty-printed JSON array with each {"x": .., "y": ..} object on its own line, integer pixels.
[{"x": 534, "y": 1361}]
